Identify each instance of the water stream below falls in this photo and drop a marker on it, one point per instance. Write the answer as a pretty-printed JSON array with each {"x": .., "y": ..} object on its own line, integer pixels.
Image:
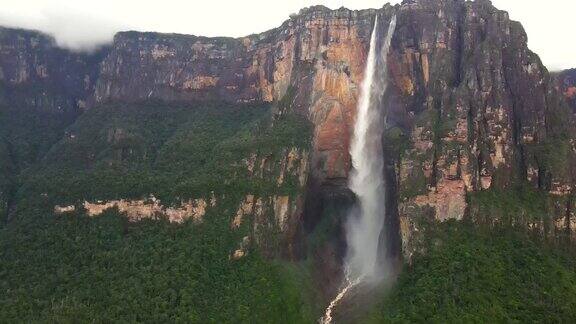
[{"x": 365, "y": 224}]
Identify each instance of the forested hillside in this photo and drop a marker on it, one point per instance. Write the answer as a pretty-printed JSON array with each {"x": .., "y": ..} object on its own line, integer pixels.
[{"x": 106, "y": 268}]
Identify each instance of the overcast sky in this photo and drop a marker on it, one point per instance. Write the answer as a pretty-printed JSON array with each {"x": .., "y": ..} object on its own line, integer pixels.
[{"x": 83, "y": 24}]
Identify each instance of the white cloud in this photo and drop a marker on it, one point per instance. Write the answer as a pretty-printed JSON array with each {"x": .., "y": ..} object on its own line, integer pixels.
[
  {"x": 83, "y": 24},
  {"x": 72, "y": 27}
]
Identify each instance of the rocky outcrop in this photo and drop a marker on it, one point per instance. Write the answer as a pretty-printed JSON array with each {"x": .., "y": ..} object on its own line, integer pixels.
[
  {"x": 289, "y": 163},
  {"x": 152, "y": 208},
  {"x": 34, "y": 72},
  {"x": 566, "y": 83},
  {"x": 59, "y": 210},
  {"x": 476, "y": 109},
  {"x": 278, "y": 216},
  {"x": 242, "y": 249}
]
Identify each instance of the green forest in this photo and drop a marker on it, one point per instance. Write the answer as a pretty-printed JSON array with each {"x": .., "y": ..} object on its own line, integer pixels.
[
  {"x": 480, "y": 275},
  {"x": 72, "y": 268}
]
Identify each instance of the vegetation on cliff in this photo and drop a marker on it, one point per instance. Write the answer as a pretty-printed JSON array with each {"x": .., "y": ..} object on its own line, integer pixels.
[
  {"x": 482, "y": 275},
  {"x": 171, "y": 151},
  {"x": 72, "y": 267}
]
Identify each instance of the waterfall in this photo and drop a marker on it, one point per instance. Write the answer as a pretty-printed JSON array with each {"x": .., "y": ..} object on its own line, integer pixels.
[
  {"x": 367, "y": 178},
  {"x": 365, "y": 224}
]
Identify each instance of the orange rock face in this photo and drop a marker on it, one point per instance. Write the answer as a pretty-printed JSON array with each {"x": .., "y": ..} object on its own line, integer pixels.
[
  {"x": 336, "y": 89},
  {"x": 570, "y": 92}
]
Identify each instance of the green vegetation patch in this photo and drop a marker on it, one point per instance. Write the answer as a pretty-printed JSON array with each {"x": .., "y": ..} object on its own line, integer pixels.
[
  {"x": 471, "y": 275},
  {"x": 516, "y": 205},
  {"x": 172, "y": 151}
]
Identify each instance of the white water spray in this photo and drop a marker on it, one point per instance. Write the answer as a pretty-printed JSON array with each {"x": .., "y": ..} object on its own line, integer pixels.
[{"x": 367, "y": 178}]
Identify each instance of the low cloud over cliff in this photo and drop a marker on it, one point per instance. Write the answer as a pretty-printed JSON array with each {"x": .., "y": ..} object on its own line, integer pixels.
[{"x": 73, "y": 29}]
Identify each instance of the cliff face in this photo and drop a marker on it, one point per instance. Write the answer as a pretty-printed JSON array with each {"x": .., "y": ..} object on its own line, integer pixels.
[
  {"x": 35, "y": 72},
  {"x": 469, "y": 108},
  {"x": 42, "y": 90},
  {"x": 311, "y": 65},
  {"x": 479, "y": 111}
]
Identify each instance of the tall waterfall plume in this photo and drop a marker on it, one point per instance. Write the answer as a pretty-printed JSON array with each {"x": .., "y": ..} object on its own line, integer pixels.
[{"x": 365, "y": 223}]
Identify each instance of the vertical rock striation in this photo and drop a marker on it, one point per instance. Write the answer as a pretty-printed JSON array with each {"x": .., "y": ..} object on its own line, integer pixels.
[
  {"x": 42, "y": 90},
  {"x": 35, "y": 73},
  {"x": 478, "y": 109}
]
